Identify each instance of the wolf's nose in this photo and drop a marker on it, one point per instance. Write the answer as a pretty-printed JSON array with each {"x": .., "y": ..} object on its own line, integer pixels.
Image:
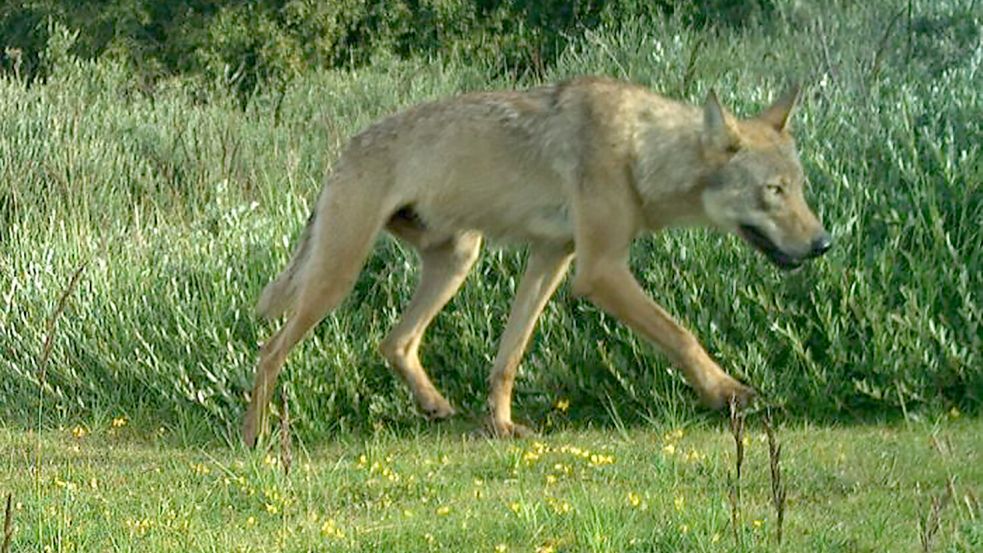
[{"x": 821, "y": 245}]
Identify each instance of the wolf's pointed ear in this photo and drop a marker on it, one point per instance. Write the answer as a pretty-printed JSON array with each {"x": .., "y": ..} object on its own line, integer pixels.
[
  {"x": 778, "y": 114},
  {"x": 719, "y": 129}
]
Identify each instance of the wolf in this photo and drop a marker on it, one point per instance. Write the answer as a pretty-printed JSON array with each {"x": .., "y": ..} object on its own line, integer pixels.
[{"x": 574, "y": 170}]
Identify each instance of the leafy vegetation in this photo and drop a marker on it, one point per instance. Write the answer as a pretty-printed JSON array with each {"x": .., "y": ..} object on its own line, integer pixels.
[
  {"x": 269, "y": 42},
  {"x": 179, "y": 203}
]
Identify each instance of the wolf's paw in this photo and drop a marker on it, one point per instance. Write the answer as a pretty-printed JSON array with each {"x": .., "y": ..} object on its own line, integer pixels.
[
  {"x": 251, "y": 429},
  {"x": 505, "y": 429},
  {"x": 730, "y": 391},
  {"x": 436, "y": 408}
]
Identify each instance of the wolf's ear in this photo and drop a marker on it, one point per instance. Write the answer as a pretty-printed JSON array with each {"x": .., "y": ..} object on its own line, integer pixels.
[
  {"x": 778, "y": 114},
  {"x": 719, "y": 129}
]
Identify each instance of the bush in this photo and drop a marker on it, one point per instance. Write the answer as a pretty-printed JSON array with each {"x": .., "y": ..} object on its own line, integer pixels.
[{"x": 248, "y": 44}]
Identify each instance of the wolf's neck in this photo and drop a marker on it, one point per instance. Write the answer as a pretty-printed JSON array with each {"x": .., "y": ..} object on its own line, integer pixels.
[{"x": 669, "y": 173}]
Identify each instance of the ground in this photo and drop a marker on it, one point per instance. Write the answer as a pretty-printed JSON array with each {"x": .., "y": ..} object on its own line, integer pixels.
[{"x": 438, "y": 488}]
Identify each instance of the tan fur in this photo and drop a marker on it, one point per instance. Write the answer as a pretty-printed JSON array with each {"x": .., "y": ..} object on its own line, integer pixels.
[{"x": 576, "y": 169}]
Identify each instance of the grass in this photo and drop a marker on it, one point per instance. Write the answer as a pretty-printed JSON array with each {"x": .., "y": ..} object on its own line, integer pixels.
[{"x": 850, "y": 488}]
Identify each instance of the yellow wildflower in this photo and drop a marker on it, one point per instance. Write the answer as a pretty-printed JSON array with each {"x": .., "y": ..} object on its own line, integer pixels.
[
  {"x": 79, "y": 432},
  {"x": 443, "y": 510},
  {"x": 679, "y": 502},
  {"x": 669, "y": 449},
  {"x": 600, "y": 460},
  {"x": 119, "y": 422},
  {"x": 138, "y": 526},
  {"x": 330, "y": 529},
  {"x": 693, "y": 456},
  {"x": 560, "y": 507},
  {"x": 530, "y": 457},
  {"x": 562, "y": 405},
  {"x": 389, "y": 474},
  {"x": 68, "y": 485}
]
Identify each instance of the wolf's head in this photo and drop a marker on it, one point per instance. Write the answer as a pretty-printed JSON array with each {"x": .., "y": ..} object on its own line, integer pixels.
[{"x": 755, "y": 189}]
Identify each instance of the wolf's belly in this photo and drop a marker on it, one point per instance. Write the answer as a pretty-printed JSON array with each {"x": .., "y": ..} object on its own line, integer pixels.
[{"x": 515, "y": 220}]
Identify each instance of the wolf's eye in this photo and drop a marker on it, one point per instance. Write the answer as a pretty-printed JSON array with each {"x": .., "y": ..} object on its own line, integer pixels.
[{"x": 776, "y": 189}]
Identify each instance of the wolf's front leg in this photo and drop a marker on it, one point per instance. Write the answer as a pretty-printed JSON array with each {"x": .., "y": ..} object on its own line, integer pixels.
[
  {"x": 614, "y": 289},
  {"x": 607, "y": 218}
]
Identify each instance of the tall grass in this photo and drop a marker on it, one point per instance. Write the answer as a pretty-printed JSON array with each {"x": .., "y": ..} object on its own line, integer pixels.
[{"x": 183, "y": 206}]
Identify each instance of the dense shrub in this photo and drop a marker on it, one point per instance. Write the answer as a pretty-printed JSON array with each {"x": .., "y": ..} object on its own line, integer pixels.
[{"x": 248, "y": 43}]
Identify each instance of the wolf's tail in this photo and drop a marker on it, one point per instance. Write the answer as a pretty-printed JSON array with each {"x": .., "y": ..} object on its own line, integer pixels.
[{"x": 278, "y": 296}]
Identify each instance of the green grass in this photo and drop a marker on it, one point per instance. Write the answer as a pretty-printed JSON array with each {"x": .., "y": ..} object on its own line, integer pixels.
[{"x": 850, "y": 488}]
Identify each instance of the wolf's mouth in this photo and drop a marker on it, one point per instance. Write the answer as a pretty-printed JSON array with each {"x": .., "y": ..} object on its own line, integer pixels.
[{"x": 762, "y": 243}]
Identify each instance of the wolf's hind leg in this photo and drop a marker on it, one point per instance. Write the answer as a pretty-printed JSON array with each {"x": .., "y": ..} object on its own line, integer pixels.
[
  {"x": 444, "y": 268},
  {"x": 344, "y": 232},
  {"x": 544, "y": 271}
]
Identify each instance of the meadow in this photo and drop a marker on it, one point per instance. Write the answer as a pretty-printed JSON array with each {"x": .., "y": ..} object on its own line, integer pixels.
[
  {"x": 138, "y": 225},
  {"x": 659, "y": 488}
]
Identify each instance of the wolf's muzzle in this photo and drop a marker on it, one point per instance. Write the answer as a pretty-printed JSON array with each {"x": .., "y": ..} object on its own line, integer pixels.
[
  {"x": 762, "y": 243},
  {"x": 821, "y": 245}
]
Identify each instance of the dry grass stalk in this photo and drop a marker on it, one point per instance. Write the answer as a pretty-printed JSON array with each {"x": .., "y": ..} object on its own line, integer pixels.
[
  {"x": 50, "y": 338},
  {"x": 16, "y": 55},
  {"x": 737, "y": 429},
  {"x": 942, "y": 446},
  {"x": 882, "y": 44},
  {"x": 49, "y": 342},
  {"x": 8, "y": 525},
  {"x": 286, "y": 454},
  {"x": 778, "y": 492},
  {"x": 930, "y": 525},
  {"x": 972, "y": 504}
]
